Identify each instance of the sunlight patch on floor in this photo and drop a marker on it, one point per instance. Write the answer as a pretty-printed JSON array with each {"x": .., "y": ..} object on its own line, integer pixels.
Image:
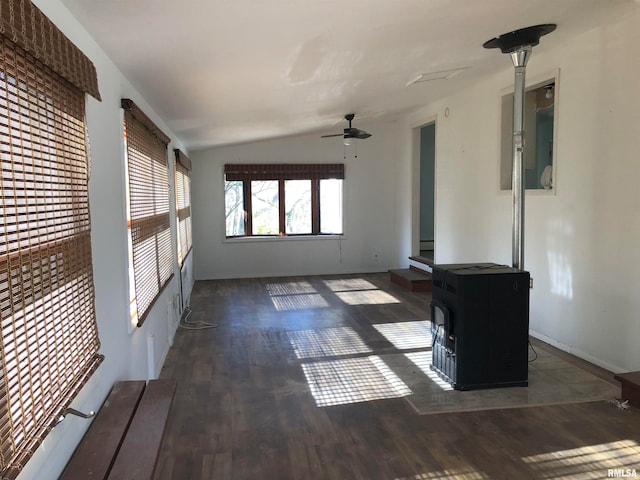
[
  {"x": 352, "y": 380},
  {"x": 349, "y": 284},
  {"x": 422, "y": 360},
  {"x": 295, "y": 296},
  {"x": 290, "y": 288},
  {"x": 592, "y": 461},
  {"x": 357, "y": 291},
  {"x": 299, "y": 302},
  {"x": 453, "y": 473},
  {"x": 407, "y": 335},
  {"x": 327, "y": 342},
  {"x": 366, "y": 297}
]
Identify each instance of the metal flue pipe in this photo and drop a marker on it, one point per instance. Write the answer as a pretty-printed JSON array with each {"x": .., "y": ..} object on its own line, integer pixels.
[
  {"x": 518, "y": 45},
  {"x": 519, "y": 58}
]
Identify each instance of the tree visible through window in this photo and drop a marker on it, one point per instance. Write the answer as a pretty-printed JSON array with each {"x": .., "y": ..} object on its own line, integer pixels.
[
  {"x": 297, "y": 210},
  {"x": 265, "y": 207},
  {"x": 234, "y": 208},
  {"x": 283, "y": 199}
]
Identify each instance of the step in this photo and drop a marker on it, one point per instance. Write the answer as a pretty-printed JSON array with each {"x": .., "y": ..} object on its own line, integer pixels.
[
  {"x": 630, "y": 387},
  {"x": 412, "y": 279},
  {"x": 428, "y": 262}
]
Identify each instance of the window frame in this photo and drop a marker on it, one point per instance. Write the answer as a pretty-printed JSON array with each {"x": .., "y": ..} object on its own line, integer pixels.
[
  {"x": 182, "y": 182},
  {"x": 246, "y": 173}
]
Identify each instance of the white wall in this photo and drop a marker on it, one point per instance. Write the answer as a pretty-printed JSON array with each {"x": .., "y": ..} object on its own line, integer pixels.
[
  {"x": 126, "y": 352},
  {"x": 581, "y": 242},
  {"x": 369, "y": 209}
]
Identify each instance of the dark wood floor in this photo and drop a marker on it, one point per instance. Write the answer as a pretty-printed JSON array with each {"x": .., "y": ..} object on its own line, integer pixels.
[{"x": 244, "y": 410}]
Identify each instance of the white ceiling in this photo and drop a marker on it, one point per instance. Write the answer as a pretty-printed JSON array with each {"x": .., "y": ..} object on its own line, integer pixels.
[{"x": 230, "y": 71}]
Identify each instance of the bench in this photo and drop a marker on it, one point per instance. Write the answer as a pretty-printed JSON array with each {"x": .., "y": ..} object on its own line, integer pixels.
[
  {"x": 124, "y": 439},
  {"x": 630, "y": 383}
]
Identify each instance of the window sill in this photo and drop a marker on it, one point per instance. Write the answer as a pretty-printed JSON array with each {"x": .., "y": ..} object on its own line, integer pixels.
[
  {"x": 532, "y": 191},
  {"x": 277, "y": 238}
]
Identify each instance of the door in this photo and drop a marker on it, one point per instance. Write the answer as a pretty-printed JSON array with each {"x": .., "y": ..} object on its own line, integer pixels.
[{"x": 427, "y": 191}]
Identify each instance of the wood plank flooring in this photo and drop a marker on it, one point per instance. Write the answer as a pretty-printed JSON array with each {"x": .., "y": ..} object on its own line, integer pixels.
[{"x": 244, "y": 410}]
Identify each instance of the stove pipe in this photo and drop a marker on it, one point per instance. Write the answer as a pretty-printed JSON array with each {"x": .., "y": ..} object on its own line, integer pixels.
[{"x": 518, "y": 45}]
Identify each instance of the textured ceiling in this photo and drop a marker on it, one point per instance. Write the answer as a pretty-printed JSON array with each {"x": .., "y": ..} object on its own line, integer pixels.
[{"x": 230, "y": 71}]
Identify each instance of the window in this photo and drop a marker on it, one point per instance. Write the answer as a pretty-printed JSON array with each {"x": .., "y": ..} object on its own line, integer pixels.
[
  {"x": 49, "y": 339},
  {"x": 265, "y": 207},
  {"x": 183, "y": 204},
  {"x": 150, "y": 249},
  {"x": 283, "y": 199},
  {"x": 235, "y": 213},
  {"x": 539, "y": 124},
  {"x": 297, "y": 194}
]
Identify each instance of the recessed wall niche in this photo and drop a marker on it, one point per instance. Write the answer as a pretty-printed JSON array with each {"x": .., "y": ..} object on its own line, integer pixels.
[{"x": 540, "y": 131}]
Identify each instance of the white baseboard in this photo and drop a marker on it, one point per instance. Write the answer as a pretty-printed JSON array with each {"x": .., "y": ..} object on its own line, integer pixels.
[
  {"x": 577, "y": 352},
  {"x": 378, "y": 269}
]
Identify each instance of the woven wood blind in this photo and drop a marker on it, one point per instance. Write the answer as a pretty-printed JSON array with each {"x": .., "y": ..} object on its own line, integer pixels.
[
  {"x": 182, "y": 159},
  {"x": 48, "y": 339},
  {"x": 183, "y": 203},
  {"x": 283, "y": 171},
  {"x": 24, "y": 25},
  {"x": 146, "y": 148}
]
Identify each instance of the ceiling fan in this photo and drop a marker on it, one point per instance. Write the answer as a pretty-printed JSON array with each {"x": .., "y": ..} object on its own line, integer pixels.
[{"x": 350, "y": 133}]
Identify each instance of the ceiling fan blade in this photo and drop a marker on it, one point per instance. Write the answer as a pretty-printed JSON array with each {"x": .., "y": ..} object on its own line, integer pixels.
[
  {"x": 360, "y": 134},
  {"x": 332, "y": 135}
]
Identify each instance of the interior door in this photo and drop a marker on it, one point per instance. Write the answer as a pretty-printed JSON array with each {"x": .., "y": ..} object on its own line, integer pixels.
[{"x": 427, "y": 190}]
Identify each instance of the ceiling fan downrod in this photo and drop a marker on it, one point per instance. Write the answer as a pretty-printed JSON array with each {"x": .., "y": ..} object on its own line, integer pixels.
[{"x": 349, "y": 117}]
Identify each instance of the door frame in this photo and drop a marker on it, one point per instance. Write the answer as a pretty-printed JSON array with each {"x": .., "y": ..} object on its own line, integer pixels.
[{"x": 416, "y": 206}]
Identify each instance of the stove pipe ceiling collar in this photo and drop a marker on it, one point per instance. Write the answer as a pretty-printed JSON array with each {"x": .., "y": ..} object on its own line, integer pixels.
[{"x": 513, "y": 41}]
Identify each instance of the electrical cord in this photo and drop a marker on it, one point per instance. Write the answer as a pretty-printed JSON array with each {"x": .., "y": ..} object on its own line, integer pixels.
[
  {"x": 194, "y": 325},
  {"x": 433, "y": 340},
  {"x": 535, "y": 354}
]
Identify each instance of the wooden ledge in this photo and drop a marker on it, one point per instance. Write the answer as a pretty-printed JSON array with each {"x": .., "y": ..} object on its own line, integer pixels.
[{"x": 630, "y": 383}]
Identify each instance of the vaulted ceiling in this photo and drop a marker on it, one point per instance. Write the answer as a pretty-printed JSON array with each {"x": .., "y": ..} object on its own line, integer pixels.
[{"x": 231, "y": 71}]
